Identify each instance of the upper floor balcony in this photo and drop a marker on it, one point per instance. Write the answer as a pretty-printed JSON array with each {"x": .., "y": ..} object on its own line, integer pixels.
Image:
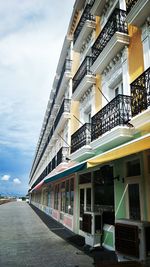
[
  {"x": 83, "y": 78},
  {"x": 85, "y": 25},
  {"x": 137, "y": 11},
  {"x": 63, "y": 114},
  {"x": 97, "y": 7},
  {"x": 116, "y": 112},
  {"x": 64, "y": 77},
  {"x": 62, "y": 154},
  {"x": 80, "y": 141},
  {"x": 112, "y": 39},
  {"x": 140, "y": 101}
]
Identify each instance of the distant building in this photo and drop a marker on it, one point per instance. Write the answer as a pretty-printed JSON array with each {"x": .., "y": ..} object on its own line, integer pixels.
[{"x": 92, "y": 163}]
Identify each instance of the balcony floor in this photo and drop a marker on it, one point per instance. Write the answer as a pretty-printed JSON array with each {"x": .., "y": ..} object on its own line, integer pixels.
[{"x": 115, "y": 45}]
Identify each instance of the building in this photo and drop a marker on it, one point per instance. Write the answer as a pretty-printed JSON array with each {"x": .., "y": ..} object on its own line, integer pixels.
[{"x": 91, "y": 170}]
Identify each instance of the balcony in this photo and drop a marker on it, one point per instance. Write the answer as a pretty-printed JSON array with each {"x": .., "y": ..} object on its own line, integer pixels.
[
  {"x": 108, "y": 124},
  {"x": 80, "y": 141},
  {"x": 112, "y": 39},
  {"x": 63, "y": 114},
  {"x": 97, "y": 7},
  {"x": 137, "y": 11},
  {"x": 85, "y": 26},
  {"x": 83, "y": 78},
  {"x": 140, "y": 101},
  {"x": 64, "y": 77},
  {"x": 62, "y": 154}
]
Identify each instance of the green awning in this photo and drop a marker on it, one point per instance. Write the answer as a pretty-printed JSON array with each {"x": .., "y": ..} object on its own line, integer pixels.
[{"x": 65, "y": 173}]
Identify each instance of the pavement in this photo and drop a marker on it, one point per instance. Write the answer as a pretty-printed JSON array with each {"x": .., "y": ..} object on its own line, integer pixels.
[
  {"x": 29, "y": 237},
  {"x": 99, "y": 255},
  {"x": 25, "y": 240}
]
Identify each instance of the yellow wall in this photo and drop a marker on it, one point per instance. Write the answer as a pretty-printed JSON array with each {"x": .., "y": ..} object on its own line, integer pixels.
[
  {"x": 98, "y": 95},
  {"x": 98, "y": 29},
  {"x": 135, "y": 53},
  {"x": 75, "y": 111}
]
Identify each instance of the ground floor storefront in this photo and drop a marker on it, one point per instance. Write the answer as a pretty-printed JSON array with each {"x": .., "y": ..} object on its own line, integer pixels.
[{"x": 107, "y": 202}]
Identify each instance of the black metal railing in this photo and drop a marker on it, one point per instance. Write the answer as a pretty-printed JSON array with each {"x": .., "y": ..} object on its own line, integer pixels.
[
  {"x": 81, "y": 137},
  {"x": 140, "y": 92},
  {"x": 86, "y": 15},
  {"x": 66, "y": 67},
  {"x": 83, "y": 70},
  {"x": 62, "y": 155},
  {"x": 130, "y": 4},
  {"x": 65, "y": 107},
  {"x": 116, "y": 112},
  {"x": 54, "y": 163},
  {"x": 116, "y": 23}
]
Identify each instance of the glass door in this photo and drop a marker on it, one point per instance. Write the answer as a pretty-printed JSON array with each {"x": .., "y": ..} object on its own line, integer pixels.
[{"x": 84, "y": 202}]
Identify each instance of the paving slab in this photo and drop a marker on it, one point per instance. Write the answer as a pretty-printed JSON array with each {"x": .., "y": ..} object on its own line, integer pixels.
[{"x": 26, "y": 241}]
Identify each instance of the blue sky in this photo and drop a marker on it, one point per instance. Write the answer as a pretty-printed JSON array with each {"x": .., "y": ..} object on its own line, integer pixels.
[{"x": 31, "y": 37}]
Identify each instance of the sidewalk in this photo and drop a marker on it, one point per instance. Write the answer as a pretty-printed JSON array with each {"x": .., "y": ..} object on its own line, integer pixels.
[
  {"x": 101, "y": 258},
  {"x": 26, "y": 241},
  {"x": 98, "y": 256}
]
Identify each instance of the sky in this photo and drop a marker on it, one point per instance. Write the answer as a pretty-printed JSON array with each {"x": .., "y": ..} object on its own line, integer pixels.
[{"x": 31, "y": 37}]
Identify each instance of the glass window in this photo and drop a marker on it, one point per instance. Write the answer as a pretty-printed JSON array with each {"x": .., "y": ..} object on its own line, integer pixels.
[
  {"x": 104, "y": 193},
  {"x": 56, "y": 196},
  {"x": 85, "y": 178},
  {"x": 62, "y": 207},
  {"x": 88, "y": 199},
  {"x": 133, "y": 168},
  {"x": 134, "y": 201},
  {"x": 67, "y": 196},
  {"x": 71, "y": 196}
]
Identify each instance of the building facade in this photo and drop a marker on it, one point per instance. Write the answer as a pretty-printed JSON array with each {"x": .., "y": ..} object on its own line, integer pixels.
[{"x": 91, "y": 170}]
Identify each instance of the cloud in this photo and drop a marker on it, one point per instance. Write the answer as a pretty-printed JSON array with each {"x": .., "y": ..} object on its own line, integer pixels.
[
  {"x": 16, "y": 181},
  {"x": 30, "y": 45},
  {"x": 5, "y": 177}
]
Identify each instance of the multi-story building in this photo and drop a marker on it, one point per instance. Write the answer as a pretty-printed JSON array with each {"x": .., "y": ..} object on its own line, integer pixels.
[{"x": 92, "y": 163}]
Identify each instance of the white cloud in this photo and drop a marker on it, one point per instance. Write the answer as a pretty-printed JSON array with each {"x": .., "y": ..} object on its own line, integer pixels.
[
  {"x": 16, "y": 181},
  {"x": 31, "y": 37},
  {"x": 5, "y": 177}
]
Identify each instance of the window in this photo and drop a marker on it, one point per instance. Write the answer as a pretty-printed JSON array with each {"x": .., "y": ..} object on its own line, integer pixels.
[
  {"x": 85, "y": 178},
  {"x": 148, "y": 163},
  {"x": 134, "y": 202},
  {"x": 133, "y": 168},
  {"x": 62, "y": 207},
  {"x": 69, "y": 196},
  {"x": 104, "y": 193},
  {"x": 56, "y": 196}
]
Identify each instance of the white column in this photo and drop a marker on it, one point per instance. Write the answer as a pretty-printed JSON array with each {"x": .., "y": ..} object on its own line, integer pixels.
[
  {"x": 125, "y": 72},
  {"x": 146, "y": 43},
  {"x": 122, "y": 4}
]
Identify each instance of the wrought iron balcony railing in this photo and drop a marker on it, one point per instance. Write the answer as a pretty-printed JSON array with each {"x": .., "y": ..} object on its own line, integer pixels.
[
  {"x": 65, "y": 107},
  {"x": 81, "y": 137},
  {"x": 66, "y": 67},
  {"x": 62, "y": 154},
  {"x": 83, "y": 70},
  {"x": 85, "y": 16},
  {"x": 140, "y": 92},
  {"x": 54, "y": 163},
  {"x": 116, "y": 23},
  {"x": 116, "y": 112},
  {"x": 130, "y": 4}
]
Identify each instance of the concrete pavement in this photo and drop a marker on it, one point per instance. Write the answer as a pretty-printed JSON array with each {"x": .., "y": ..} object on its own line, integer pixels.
[{"x": 26, "y": 241}]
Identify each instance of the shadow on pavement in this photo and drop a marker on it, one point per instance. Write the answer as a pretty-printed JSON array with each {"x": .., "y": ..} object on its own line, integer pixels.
[{"x": 98, "y": 255}]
